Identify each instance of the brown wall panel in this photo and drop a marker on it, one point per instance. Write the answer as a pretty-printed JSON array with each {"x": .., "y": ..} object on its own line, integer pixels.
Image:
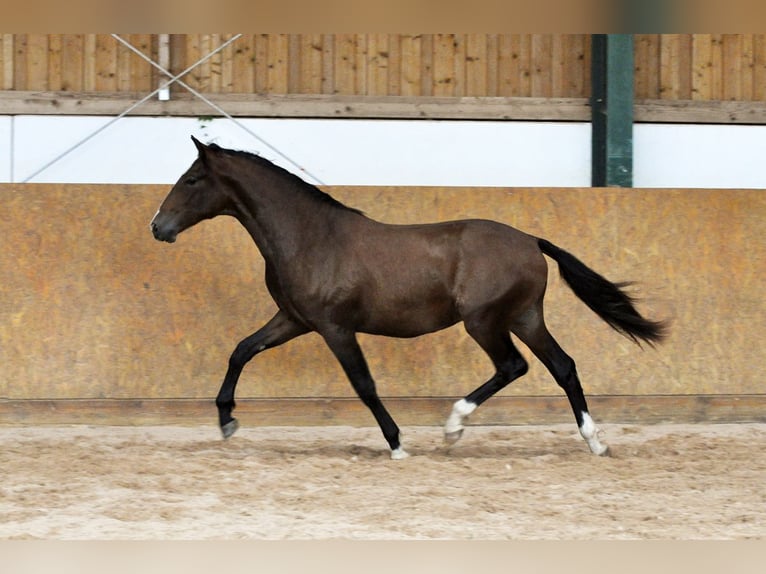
[{"x": 93, "y": 307}]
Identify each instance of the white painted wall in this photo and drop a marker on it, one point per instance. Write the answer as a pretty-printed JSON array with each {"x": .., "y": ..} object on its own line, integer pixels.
[
  {"x": 369, "y": 152},
  {"x": 705, "y": 156}
]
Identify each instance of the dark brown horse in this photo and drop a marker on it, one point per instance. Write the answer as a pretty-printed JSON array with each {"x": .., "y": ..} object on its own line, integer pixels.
[{"x": 332, "y": 270}]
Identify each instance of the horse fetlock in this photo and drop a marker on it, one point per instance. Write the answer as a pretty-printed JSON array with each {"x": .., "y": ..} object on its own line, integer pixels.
[
  {"x": 453, "y": 429},
  {"x": 589, "y": 432}
]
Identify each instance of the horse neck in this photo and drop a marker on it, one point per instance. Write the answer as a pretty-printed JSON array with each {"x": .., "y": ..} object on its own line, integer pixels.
[{"x": 283, "y": 219}]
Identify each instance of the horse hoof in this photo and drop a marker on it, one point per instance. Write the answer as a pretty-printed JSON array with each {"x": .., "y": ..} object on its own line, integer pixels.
[
  {"x": 399, "y": 454},
  {"x": 453, "y": 437},
  {"x": 601, "y": 450},
  {"x": 229, "y": 428}
]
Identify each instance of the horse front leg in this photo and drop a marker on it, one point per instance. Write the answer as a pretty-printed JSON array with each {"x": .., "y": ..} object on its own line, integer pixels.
[
  {"x": 346, "y": 349},
  {"x": 280, "y": 329}
]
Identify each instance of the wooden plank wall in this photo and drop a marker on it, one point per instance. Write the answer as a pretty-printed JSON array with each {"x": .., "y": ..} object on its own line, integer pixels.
[
  {"x": 701, "y": 67},
  {"x": 348, "y": 64},
  {"x": 95, "y": 310},
  {"x": 669, "y": 67}
]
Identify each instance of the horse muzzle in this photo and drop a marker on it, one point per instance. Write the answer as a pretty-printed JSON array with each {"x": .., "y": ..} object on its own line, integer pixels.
[{"x": 162, "y": 233}]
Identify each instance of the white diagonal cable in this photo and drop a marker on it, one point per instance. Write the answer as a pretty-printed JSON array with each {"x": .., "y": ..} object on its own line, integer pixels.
[
  {"x": 172, "y": 80},
  {"x": 217, "y": 108}
]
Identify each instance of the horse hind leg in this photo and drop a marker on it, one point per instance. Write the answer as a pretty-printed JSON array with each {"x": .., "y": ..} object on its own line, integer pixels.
[
  {"x": 509, "y": 365},
  {"x": 533, "y": 332}
]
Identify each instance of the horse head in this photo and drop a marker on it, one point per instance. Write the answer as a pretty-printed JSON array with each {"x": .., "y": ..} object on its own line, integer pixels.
[{"x": 197, "y": 195}]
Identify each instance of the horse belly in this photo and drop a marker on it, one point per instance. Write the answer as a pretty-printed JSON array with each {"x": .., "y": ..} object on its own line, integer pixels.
[{"x": 409, "y": 309}]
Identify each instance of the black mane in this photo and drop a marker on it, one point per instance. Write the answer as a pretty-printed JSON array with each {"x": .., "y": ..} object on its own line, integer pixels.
[{"x": 305, "y": 186}]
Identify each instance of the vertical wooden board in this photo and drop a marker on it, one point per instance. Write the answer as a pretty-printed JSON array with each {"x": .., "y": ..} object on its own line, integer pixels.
[
  {"x": 576, "y": 83},
  {"x": 89, "y": 63},
  {"x": 394, "y": 65},
  {"x": 37, "y": 62},
  {"x": 759, "y": 67},
  {"x": 345, "y": 64},
  {"x": 197, "y": 77},
  {"x": 670, "y": 67},
  {"x": 362, "y": 63},
  {"x": 460, "y": 65},
  {"x": 141, "y": 74},
  {"x": 378, "y": 57},
  {"x": 72, "y": 62},
  {"x": 702, "y": 62},
  {"x": 242, "y": 68},
  {"x": 540, "y": 65},
  {"x": 178, "y": 58},
  {"x": 328, "y": 64},
  {"x": 20, "y": 62},
  {"x": 411, "y": 46},
  {"x": 647, "y": 60},
  {"x": 261, "y": 63},
  {"x": 427, "y": 65},
  {"x": 586, "y": 64},
  {"x": 493, "y": 55},
  {"x": 190, "y": 50},
  {"x": 216, "y": 63},
  {"x": 204, "y": 71},
  {"x": 310, "y": 64},
  {"x": 278, "y": 70},
  {"x": 443, "y": 65},
  {"x": 747, "y": 66},
  {"x": 527, "y": 65},
  {"x": 507, "y": 66},
  {"x": 106, "y": 63},
  {"x": 294, "y": 63},
  {"x": 732, "y": 66},
  {"x": 124, "y": 69},
  {"x": 55, "y": 72},
  {"x": 476, "y": 81},
  {"x": 557, "y": 65},
  {"x": 716, "y": 68},
  {"x": 227, "y": 64},
  {"x": 6, "y": 61},
  {"x": 517, "y": 79},
  {"x": 685, "y": 66}
]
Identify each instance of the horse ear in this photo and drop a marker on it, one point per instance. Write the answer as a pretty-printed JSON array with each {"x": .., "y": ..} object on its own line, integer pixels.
[
  {"x": 204, "y": 151},
  {"x": 201, "y": 148}
]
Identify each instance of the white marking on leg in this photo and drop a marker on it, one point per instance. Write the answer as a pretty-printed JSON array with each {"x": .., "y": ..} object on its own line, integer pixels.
[
  {"x": 454, "y": 426},
  {"x": 399, "y": 454},
  {"x": 589, "y": 432}
]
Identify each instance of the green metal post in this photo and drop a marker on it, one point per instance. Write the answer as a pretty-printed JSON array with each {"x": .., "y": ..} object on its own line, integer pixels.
[{"x": 612, "y": 110}]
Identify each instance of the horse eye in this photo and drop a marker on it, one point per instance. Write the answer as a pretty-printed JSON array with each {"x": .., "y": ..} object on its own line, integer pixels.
[{"x": 191, "y": 180}]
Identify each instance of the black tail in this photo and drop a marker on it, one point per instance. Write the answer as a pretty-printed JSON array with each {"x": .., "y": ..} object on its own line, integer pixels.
[{"x": 606, "y": 299}]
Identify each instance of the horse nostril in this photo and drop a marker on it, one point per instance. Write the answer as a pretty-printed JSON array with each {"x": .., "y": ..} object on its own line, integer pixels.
[{"x": 156, "y": 231}]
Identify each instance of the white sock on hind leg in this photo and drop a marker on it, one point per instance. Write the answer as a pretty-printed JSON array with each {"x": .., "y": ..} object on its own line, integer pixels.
[
  {"x": 589, "y": 432},
  {"x": 460, "y": 410}
]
